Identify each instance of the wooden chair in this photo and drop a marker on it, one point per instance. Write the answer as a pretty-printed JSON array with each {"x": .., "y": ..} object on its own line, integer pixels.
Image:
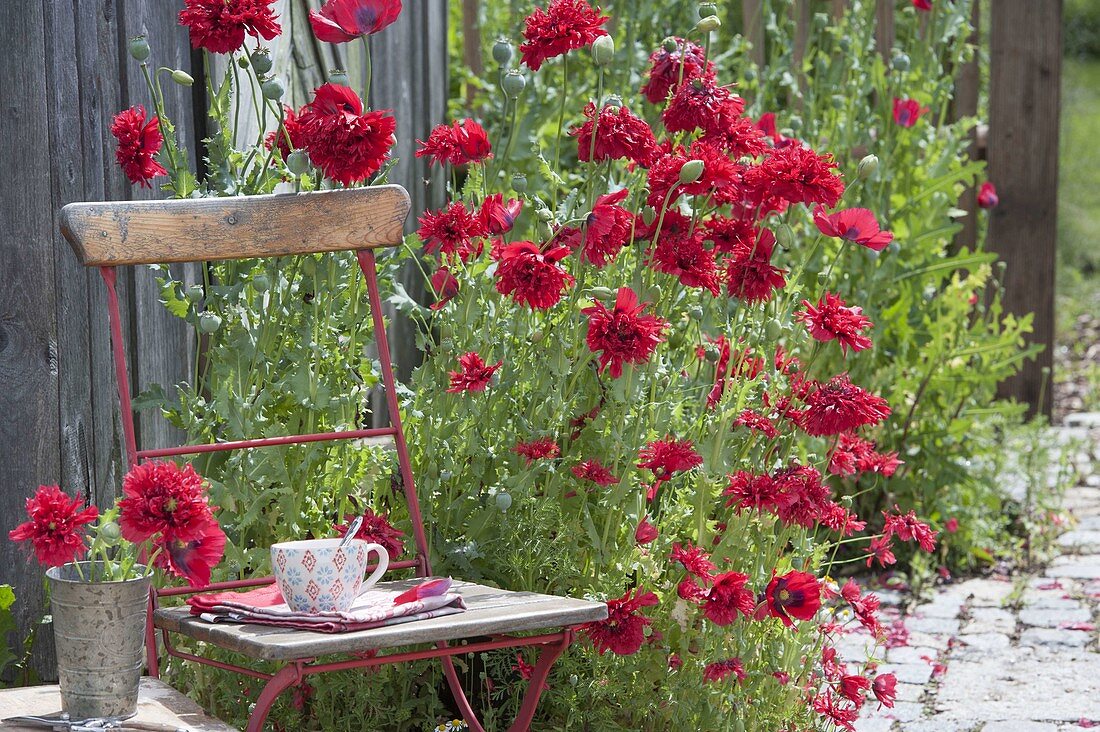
[{"x": 107, "y": 235}]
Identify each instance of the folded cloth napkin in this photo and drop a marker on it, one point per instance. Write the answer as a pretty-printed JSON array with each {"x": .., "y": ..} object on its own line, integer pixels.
[{"x": 373, "y": 608}]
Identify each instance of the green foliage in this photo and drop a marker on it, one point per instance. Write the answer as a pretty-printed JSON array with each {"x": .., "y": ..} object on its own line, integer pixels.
[
  {"x": 8, "y": 627},
  {"x": 1081, "y": 27}
]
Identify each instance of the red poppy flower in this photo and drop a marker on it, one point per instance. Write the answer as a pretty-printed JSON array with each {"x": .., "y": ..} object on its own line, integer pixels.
[
  {"x": 498, "y": 217},
  {"x": 292, "y": 129},
  {"x": 55, "y": 528},
  {"x": 854, "y": 455},
  {"x": 736, "y": 136},
  {"x": 342, "y": 21},
  {"x": 542, "y": 448},
  {"x": 677, "y": 60},
  {"x": 530, "y": 276},
  {"x": 138, "y": 144},
  {"x": 951, "y": 525},
  {"x": 908, "y": 527},
  {"x": 881, "y": 549},
  {"x": 645, "y": 533},
  {"x": 831, "y": 319},
  {"x": 750, "y": 275},
  {"x": 445, "y": 286},
  {"x": 166, "y": 499},
  {"x": 623, "y": 334},
  {"x": 720, "y": 670},
  {"x": 853, "y": 224},
  {"x": 802, "y": 496},
  {"x": 793, "y": 595},
  {"x": 194, "y": 560},
  {"x": 853, "y": 687},
  {"x": 907, "y": 111},
  {"x": 701, "y": 104},
  {"x": 728, "y": 597},
  {"x": 720, "y": 178},
  {"x": 987, "y": 195},
  {"x": 474, "y": 375},
  {"x": 680, "y": 252},
  {"x": 594, "y": 471},
  {"x": 750, "y": 492},
  {"x": 885, "y": 689},
  {"x": 840, "y": 406},
  {"x": 219, "y": 26},
  {"x": 605, "y": 232},
  {"x": 840, "y": 714},
  {"x": 460, "y": 143},
  {"x": 757, "y": 423},
  {"x": 346, "y": 143},
  {"x": 620, "y": 135},
  {"x": 795, "y": 174},
  {"x": 864, "y": 607},
  {"x": 922, "y": 4},
  {"x": 842, "y": 520},
  {"x": 376, "y": 529},
  {"x": 695, "y": 560},
  {"x": 729, "y": 235},
  {"x": 454, "y": 230},
  {"x": 623, "y": 633},
  {"x": 668, "y": 457},
  {"x": 564, "y": 26}
]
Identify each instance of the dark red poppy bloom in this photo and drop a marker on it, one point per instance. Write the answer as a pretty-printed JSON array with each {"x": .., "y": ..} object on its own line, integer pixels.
[
  {"x": 795, "y": 174},
  {"x": 594, "y": 471},
  {"x": 675, "y": 61},
  {"x": 290, "y": 138},
  {"x": 853, "y": 224},
  {"x": 474, "y": 374},
  {"x": 620, "y": 135},
  {"x": 623, "y": 334},
  {"x": 736, "y": 136},
  {"x": 668, "y": 456},
  {"x": 694, "y": 559},
  {"x": 750, "y": 275},
  {"x": 881, "y": 549},
  {"x": 454, "y": 231},
  {"x": 542, "y": 448},
  {"x": 530, "y": 276},
  {"x": 728, "y": 597},
  {"x": 346, "y": 143},
  {"x": 831, "y": 319},
  {"x": 623, "y": 633},
  {"x": 162, "y": 498},
  {"x": 853, "y": 687},
  {"x": 646, "y": 532},
  {"x": 680, "y": 252},
  {"x": 56, "y": 526},
  {"x": 855, "y": 455},
  {"x": 840, "y": 406},
  {"x": 908, "y": 527},
  {"x": 720, "y": 178},
  {"x": 907, "y": 111},
  {"x": 885, "y": 689},
  {"x": 377, "y": 529},
  {"x": 802, "y": 496},
  {"x": 605, "y": 232},
  {"x": 499, "y": 216},
  {"x": 194, "y": 559},
  {"x": 342, "y": 21},
  {"x": 922, "y": 4},
  {"x": 729, "y": 235},
  {"x": 464, "y": 141},
  {"x": 757, "y": 423},
  {"x": 750, "y": 492},
  {"x": 720, "y": 670},
  {"x": 794, "y": 595},
  {"x": 445, "y": 286},
  {"x": 220, "y": 26},
  {"x": 864, "y": 607},
  {"x": 564, "y": 26},
  {"x": 987, "y": 195},
  {"x": 951, "y": 525},
  {"x": 702, "y": 104},
  {"x": 840, "y": 713},
  {"x": 138, "y": 144}
]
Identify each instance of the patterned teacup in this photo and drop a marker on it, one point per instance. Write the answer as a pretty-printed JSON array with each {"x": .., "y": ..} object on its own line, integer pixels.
[{"x": 319, "y": 576}]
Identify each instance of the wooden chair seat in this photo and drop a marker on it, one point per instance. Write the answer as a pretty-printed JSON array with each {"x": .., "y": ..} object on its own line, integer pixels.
[{"x": 490, "y": 611}]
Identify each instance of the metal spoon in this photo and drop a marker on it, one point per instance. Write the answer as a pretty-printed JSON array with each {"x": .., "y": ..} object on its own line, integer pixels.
[{"x": 352, "y": 531}]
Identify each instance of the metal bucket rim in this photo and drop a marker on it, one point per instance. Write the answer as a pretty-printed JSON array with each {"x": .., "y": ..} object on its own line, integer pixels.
[{"x": 54, "y": 575}]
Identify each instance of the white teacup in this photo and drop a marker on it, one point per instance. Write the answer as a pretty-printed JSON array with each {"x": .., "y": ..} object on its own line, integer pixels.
[{"x": 319, "y": 576}]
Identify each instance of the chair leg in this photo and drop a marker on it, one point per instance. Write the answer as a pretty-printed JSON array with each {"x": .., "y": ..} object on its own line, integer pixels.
[
  {"x": 287, "y": 677},
  {"x": 152, "y": 663}
]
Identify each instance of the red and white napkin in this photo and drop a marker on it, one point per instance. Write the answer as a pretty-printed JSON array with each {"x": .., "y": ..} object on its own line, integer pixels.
[{"x": 374, "y": 608}]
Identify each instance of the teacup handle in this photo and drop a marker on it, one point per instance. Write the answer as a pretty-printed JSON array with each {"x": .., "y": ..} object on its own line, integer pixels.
[{"x": 383, "y": 564}]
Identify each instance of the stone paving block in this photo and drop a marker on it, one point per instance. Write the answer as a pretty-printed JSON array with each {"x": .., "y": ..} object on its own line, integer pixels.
[
  {"x": 946, "y": 609},
  {"x": 928, "y": 640},
  {"x": 989, "y": 620},
  {"x": 1089, "y": 523},
  {"x": 933, "y": 626},
  {"x": 905, "y": 711},
  {"x": 937, "y": 724},
  {"x": 1053, "y": 638},
  {"x": 910, "y": 654},
  {"x": 874, "y": 724},
  {"x": 1080, "y": 539},
  {"x": 909, "y": 692},
  {"x": 980, "y": 644},
  {"x": 1019, "y": 726},
  {"x": 986, "y": 592},
  {"x": 909, "y": 673},
  {"x": 1045, "y": 617},
  {"x": 1052, "y": 600},
  {"x": 1081, "y": 422}
]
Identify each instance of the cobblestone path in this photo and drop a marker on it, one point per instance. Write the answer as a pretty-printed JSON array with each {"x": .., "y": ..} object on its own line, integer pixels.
[{"x": 1006, "y": 654}]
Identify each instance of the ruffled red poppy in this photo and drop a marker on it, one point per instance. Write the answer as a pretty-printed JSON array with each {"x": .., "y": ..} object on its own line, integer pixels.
[
  {"x": 750, "y": 275},
  {"x": 922, "y": 4},
  {"x": 694, "y": 559},
  {"x": 530, "y": 276},
  {"x": 564, "y": 26},
  {"x": 839, "y": 713},
  {"x": 853, "y": 688},
  {"x": 832, "y": 319},
  {"x": 729, "y": 235},
  {"x": 721, "y": 670},
  {"x": 842, "y": 520},
  {"x": 908, "y": 527},
  {"x": 464, "y": 141},
  {"x": 702, "y": 104},
  {"x": 881, "y": 549},
  {"x": 736, "y": 136},
  {"x": 669, "y": 456},
  {"x": 951, "y": 525},
  {"x": 646, "y": 532},
  {"x": 803, "y": 499},
  {"x": 542, "y": 448},
  {"x": 605, "y": 232},
  {"x": 676, "y": 61},
  {"x": 220, "y": 26},
  {"x": 376, "y": 529},
  {"x": 728, "y": 597},
  {"x": 474, "y": 374},
  {"x": 840, "y": 406},
  {"x": 55, "y": 528},
  {"x": 290, "y": 138},
  {"x": 794, "y": 174},
  {"x": 720, "y": 179},
  {"x": 346, "y": 143},
  {"x": 623, "y": 632},
  {"x": 794, "y": 595},
  {"x": 757, "y": 423},
  {"x": 454, "y": 231},
  {"x": 194, "y": 560},
  {"x": 907, "y": 112},
  {"x": 594, "y": 471},
  {"x": 854, "y": 455},
  {"x": 680, "y": 252},
  {"x": 623, "y": 334},
  {"x": 138, "y": 144},
  {"x": 445, "y": 286},
  {"x": 497, "y": 216},
  {"x": 342, "y": 21},
  {"x": 987, "y": 195},
  {"x": 162, "y": 498},
  {"x": 864, "y": 607},
  {"x": 747, "y": 491},
  {"x": 885, "y": 689},
  {"x": 620, "y": 135},
  {"x": 853, "y": 224}
]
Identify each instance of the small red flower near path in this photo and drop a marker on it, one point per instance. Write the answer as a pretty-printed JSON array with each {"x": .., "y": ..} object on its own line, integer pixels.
[
  {"x": 341, "y": 21},
  {"x": 987, "y": 195},
  {"x": 623, "y": 632},
  {"x": 831, "y": 319},
  {"x": 794, "y": 595},
  {"x": 885, "y": 689},
  {"x": 474, "y": 375},
  {"x": 55, "y": 529},
  {"x": 530, "y": 276},
  {"x": 907, "y": 111},
  {"x": 565, "y": 25},
  {"x": 858, "y": 225},
  {"x": 720, "y": 670},
  {"x": 594, "y": 471},
  {"x": 464, "y": 141}
]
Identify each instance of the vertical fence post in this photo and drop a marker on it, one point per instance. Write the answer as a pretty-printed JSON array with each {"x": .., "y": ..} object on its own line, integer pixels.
[
  {"x": 884, "y": 27},
  {"x": 1024, "y": 97},
  {"x": 753, "y": 24},
  {"x": 965, "y": 104}
]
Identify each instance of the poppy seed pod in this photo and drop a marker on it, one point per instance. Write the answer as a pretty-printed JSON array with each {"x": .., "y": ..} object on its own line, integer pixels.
[
  {"x": 209, "y": 322},
  {"x": 195, "y": 293},
  {"x": 867, "y": 167},
  {"x": 691, "y": 172},
  {"x": 513, "y": 84},
  {"x": 669, "y": 44},
  {"x": 613, "y": 102},
  {"x": 272, "y": 88},
  {"x": 261, "y": 60},
  {"x": 900, "y": 62},
  {"x": 338, "y": 77},
  {"x": 138, "y": 48},
  {"x": 773, "y": 329},
  {"x": 649, "y": 215},
  {"x": 707, "y": 10},
  {"x": 504, "y": 502},
  {"x": 603, "y": 50},
  {"x": 519, "y": 183},
  {"x": 110, "y": 533},
  {"x": 708, "y": 24},
  {"x": 502, "y": 51},
  {"x": 182, "y": 78},
  {"x": 298, "y": 162},
  {"x": 784, "y": 236},
  {"x": 261, "y": 283}
]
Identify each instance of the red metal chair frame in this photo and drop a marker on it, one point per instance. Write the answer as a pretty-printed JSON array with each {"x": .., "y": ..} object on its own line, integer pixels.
[{"x": 550, "y": 645}]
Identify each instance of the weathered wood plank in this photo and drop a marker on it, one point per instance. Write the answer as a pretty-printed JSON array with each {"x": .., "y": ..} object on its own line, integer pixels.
[
  {"x": 884, "y": 27},
  {"x": 1024, "y": 101},
  {"x": 752, "y": 12},
  {"x": 965, "y": 104},
  {"x": 146, "y": 232}
]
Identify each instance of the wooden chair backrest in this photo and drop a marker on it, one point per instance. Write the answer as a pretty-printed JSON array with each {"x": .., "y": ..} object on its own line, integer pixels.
[{"x": 203, "y": 229}]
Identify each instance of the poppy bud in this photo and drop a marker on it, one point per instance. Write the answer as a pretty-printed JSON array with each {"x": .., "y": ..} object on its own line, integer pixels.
[
  {"x": 504, "y": 502},
  {"x": 446, "y": 345},
  {"x": 182, "y": 78},
  {"x": 513, "y": 84},
  {"x": 110, "y": 533},
  {"x": 691, "y": 172},
  {"x": 695, "y": 312},
  {"x": 537, "y": 336},
  {"x": 261, "y": 60},
  {"x": 272, "y": 88},
  {"x": 195, "y": 293},
  {"x": 243, "y": 62},
  {"x": 339, "y": 77},
  {"x": 261, "y": 283},
  {"x": 867, "y": 167},
  {"x": 773, "y": 329},
  {"x": 603, "y": 50},
  {"x": 543, "y": 214},
  {"x": 821, "y": 20},
  {"x": 654, "y": 294},
  {"x": 649, "y": 215},
  {"x": 502, "y": 51},
  {"x": 894, "y": 247},
  {"x": 784, "y": 236},
  {"x": 900, "y": 62},
  {"x": 600, "y": 293},
  {"x": 708, "y": 24},
  {"x": 519, "y": 183},
  {"x": 298, "y": 162},
  {"x": 138, "y": 48},
  {"x": 446, "y": 475},
  {"x": 574, "y": 679},
  {"x": 209, "y": 322},
  {"x": 669, "y": 44},
  {"x": 706, "y": 10}
]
